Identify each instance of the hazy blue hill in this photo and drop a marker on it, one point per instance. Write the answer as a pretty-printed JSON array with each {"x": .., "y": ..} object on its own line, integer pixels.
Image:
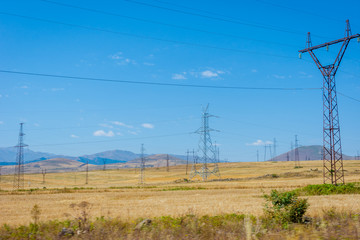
[
  {"x": 312, "y": 152},
  {"x": 115, "y": 155}
]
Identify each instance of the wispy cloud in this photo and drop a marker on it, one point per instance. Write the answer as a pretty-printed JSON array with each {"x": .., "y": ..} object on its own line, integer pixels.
[
  {"x": 149, "y": 64},
  {"x": 1, "y": 122},
  {"x": 254, "y": 70},
  {"x": 121, "y": 124},
  {"x": 121, "y": 60},
  {"x": 147, "y": 125},
  {"x": 278, "y": 76},
  {"x": 259, "y": 143},
  {"x": 57, "y": 89},
  {"x": 209, "y": 74},
  {"x": 74, "y": 136},
  {"x": 177, "y": 76},
  {"x": 106, "y": 125},
  {"x": 24, "y": 87},
  {"x": 102, "y": 133}
]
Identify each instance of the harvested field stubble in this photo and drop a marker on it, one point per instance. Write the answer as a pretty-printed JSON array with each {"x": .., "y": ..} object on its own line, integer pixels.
[{"x": 166, "y": 193}]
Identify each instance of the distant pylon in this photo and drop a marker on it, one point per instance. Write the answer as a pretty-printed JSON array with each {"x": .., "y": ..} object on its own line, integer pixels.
[
  {"x": 87, "y": 171},
  {"x": 167, "y": 163},
  {"x": 43, "y": 172},
  {"x": 297, "y": 158},
  {"x": 208, "y": 151},
  {"x": 333, "y": 171},
  {"x": 19, "y": 168},
  {"x": 142, "y": 165},
  {"x": 187, "y": 162},
  {"x": 274, "y": 152}
]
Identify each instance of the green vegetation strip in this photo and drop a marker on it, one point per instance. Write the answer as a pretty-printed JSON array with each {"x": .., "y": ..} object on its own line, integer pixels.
[
  {"x": 328, "y": 189},
  {"x": 183, "y": 188}
]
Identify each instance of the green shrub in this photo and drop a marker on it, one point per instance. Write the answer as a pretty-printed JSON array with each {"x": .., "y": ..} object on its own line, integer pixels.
[{"x": 285, "y": 207}]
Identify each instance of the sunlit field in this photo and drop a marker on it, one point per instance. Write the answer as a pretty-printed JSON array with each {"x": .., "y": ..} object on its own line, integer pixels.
[{"x": 117, "y": 193}]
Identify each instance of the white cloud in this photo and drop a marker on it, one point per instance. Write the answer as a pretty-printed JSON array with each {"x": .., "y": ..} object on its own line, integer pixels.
[
  {"x": 25, "y": 87},
  {"x": 209, "y": 74},
  {"x": 1, "y": 122},
  {"x": 259, "y": 143},
  {"x": 147, "y": 125},
  {"x": 149, "y": 64},
  {"x": 254, "y": 70},
  {"x": 177, "y": 76},
  {"x": 133, "y": 132},
  {"x": 106, "y": 125},
  {"x": 121, "y": 124},
  {"x": 57, "y": 89},
  {"x": 278, "y": 76},
  {"x": 121, "y": 60},
  {"x": 74, "y": 136},
  {"x": 117, "y": 56},
  {"x": 102, "y": 133}
]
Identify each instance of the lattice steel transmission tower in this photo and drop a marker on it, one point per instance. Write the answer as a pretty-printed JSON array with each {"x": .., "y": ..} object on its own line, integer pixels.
[
  {"x": 297, "y": 158},
  {"x": 332, "y": 153},
  {"x": 19, "y": 168},
  {"x": 209, "y": 159},
  {"x": 142, "y": 165}
]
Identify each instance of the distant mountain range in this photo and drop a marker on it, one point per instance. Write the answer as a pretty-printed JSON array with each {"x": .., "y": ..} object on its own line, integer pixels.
[{"x": 313, "y": 152}]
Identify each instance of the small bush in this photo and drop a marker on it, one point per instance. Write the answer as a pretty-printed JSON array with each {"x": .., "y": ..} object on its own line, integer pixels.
[{"x": 285, "y": 207}]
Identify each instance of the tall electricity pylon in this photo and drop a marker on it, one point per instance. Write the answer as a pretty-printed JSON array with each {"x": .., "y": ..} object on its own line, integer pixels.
[
  {"x": 209, "y": 158},
  {"x": 333, "y": 171},
  {"x": 19, "y": 168}
]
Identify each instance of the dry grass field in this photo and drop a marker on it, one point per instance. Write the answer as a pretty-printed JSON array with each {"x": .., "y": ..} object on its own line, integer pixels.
[{"x": 117, "y": 193}]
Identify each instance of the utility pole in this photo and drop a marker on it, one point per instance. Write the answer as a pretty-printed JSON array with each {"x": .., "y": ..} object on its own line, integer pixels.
[
  {"x": 187, "y": 161},
  {"x": 333, "y": 171},
  {"x": 287, "y": 156},
  {"x": 292, "y": 152},
  {"x": 43, "y": 172},
  {"x": 19, "y": 168},
  {"x": 104, "y": 161},
  {"x": 297, "y": 159},
  {"x": 142, "y": 165},
  {"x": 167, "y": 163},
  {"x": 87, "y": 171}
]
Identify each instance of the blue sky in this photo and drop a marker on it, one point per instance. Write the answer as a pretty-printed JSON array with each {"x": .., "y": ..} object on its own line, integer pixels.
[{"x": 221, "y": 43}]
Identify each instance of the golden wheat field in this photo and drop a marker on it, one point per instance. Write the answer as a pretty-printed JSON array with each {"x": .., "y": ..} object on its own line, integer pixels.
[{"x": 117, "y": 193}]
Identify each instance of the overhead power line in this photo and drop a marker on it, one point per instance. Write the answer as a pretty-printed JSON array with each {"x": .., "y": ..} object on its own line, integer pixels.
[
  {"x": 161, "y": 23},
  {"x": 143, "y": 37},
  {"x": 299, "y": 10},
  {"x": 155, "y": 83},
  {"x": 227, "y": 19}
]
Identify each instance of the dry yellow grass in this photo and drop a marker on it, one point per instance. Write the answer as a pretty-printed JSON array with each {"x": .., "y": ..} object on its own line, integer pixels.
[{"x": 242, "y": 195}]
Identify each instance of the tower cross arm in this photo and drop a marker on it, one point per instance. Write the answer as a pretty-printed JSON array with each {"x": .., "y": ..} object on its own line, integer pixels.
[{"x": 329, "y": 43}]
